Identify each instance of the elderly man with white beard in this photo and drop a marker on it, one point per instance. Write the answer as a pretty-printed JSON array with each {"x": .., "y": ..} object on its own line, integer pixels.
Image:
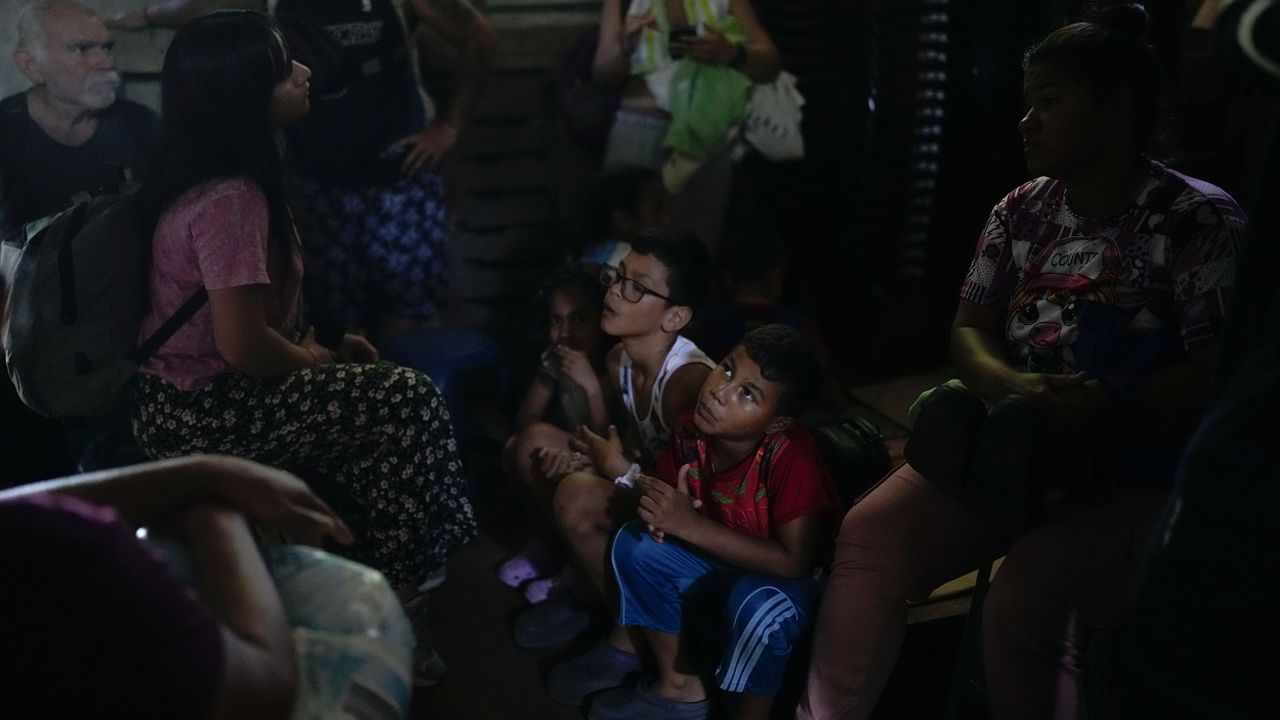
[{"x": 68, "y": 133}]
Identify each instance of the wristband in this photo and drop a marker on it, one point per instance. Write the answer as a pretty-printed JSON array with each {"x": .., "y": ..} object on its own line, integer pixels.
[{"x": 628, "y": 478}]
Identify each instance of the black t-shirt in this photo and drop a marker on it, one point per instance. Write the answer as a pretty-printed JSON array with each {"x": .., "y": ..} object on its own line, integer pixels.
[{"x": 39, "y": 175}]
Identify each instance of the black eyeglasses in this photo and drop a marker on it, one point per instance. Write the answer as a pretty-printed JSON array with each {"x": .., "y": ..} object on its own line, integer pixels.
[{"x": 632, "y": 291}]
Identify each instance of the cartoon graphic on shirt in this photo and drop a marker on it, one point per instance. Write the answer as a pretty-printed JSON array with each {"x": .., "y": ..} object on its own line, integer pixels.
[{"x": 1044, "y": 311}]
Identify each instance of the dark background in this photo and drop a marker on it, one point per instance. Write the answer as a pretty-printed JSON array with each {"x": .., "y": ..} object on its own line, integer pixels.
[{"x": 910, "y": 126}]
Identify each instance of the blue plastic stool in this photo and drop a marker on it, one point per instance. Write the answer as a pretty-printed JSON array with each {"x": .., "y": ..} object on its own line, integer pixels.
[{"x": 444, "y": 354}]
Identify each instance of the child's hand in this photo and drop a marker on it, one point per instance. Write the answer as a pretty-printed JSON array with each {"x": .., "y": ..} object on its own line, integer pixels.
[
  {"x": 605, "y": 453},
  {"x": 552, "y": 463},
  {"x": 667, "y": 509},
  {"x": 357, "y": 349},
  {"x": 577, "y": 367}
]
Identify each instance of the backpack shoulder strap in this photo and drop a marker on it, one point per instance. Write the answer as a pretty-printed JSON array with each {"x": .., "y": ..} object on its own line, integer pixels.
[{"x": 169, "y": 327}]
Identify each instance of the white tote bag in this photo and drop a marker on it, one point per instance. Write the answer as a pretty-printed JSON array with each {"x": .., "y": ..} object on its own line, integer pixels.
[{"x": 772, "y": 124}]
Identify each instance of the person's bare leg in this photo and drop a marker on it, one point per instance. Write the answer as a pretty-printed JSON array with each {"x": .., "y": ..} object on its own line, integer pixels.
[
  {"x": 902, "y": 540},
  {"x": 677, "y": 677},
  {"x": 752, "y": 707},
  {"x": 520, "y": 451},
  {"x": 1060, "y": 583},
  {"x": 588, "y": 510}
]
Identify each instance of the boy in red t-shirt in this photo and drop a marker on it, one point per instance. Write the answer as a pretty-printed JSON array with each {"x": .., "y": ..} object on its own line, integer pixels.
[{"x": 737, "y": 511}]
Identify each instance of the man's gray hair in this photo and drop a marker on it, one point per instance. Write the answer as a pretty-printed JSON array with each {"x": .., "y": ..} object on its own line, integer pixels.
[{"x": 33, "y": 35}]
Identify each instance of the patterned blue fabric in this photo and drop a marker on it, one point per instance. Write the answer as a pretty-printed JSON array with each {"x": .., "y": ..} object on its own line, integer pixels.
[{"x": 381, "y": 250}]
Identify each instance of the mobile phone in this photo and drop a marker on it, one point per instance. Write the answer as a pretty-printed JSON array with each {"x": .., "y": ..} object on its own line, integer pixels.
[{"x": 678, "y": 33}]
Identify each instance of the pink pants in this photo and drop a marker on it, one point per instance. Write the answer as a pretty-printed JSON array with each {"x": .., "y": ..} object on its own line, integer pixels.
[{"x": 1069, "y": 575}]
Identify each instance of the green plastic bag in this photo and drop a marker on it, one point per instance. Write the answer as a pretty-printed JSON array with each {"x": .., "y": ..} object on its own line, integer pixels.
[{"x": 707, "y": 101}]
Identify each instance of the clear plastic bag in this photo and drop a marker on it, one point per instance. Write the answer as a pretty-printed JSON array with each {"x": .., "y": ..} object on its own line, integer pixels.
[{"x": 353, "y": 641}]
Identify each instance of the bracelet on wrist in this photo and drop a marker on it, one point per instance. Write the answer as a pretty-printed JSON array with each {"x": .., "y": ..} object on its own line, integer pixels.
[{"x": 628, "y": 479}]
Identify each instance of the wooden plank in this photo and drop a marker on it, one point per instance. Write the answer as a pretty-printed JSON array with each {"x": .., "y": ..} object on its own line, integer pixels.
[
  {"x": 514, "y": 95},
  {"x": 528, "y": 40},
  {"x": 512, "y": 246},
  {"x": 477, "y": 283},
  {"x": 492, "y": 173},
  {"x": 949, "y": 599},
  {"x": 505, "y": 209},
  {"x": 492, "y": 138},
  {"x": 893, "y": 398},
  {"x": 496, "y": 7}
]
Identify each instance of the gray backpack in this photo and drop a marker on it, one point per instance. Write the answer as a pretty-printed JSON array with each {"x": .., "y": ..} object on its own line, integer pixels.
[{"x": 78, "y": 284}]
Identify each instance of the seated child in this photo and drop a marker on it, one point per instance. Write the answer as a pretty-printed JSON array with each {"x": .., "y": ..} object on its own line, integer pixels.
[
  {"x": 621, "y": 203},
  {"x": 753, "y": 265},
  {"x": 652, "y": 376},
  {"x": 572, "y": 362},
  {"x": 738, "y": 511},
  {"x": 573, "y": 359}
]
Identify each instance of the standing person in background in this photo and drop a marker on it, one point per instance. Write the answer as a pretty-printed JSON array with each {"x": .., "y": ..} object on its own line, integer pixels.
[
  {"x": 369, "y": 200},
  {"x": 636, "y": 51},
  {"x": 1084, "y": 337},
  {"x": 242, "y": 376}
]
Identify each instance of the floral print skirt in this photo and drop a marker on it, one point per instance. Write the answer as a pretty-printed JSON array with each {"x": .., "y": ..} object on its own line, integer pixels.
[{"x": 375, "y": 440}]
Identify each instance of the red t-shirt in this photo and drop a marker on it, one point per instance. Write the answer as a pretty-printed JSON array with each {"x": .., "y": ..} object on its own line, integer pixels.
[{"x": 787, "y": 472}]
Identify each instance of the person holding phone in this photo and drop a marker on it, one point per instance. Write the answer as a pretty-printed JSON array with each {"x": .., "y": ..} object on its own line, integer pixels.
[{"x": 641, "y": 44}]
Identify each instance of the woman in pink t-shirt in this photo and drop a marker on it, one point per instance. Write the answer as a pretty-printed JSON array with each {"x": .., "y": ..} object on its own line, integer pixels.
[{"x": 244, "y": 376}]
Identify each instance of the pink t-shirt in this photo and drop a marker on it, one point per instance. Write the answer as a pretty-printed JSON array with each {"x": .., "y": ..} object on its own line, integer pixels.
[{"x": 214, "y": 235}]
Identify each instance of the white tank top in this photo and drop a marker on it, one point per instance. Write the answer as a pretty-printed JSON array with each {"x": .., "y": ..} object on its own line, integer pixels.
[{"x": 654, "y": 433}]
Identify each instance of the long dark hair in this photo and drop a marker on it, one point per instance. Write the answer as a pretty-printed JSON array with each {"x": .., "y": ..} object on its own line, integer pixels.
[
  {"x": 1110, "y": 50},
  {"x": 216, "y": 85}
]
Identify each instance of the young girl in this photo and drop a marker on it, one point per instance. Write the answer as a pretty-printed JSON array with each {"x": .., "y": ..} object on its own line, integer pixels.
[
  {"x": 365, "y": 188},
  {"x": 1083, "y": 339},
  {"x": 242, "y": 377},
  {"x": 567, "y": 394}
]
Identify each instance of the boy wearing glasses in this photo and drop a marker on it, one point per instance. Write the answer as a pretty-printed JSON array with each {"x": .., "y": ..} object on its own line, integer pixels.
[
  {"x": 733, "y": 521},
  {"x": 652, "y": 376},
  {"x": 650, "y": 297}
]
